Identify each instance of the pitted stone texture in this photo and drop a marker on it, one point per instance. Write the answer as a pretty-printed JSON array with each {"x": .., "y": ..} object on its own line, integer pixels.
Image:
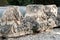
[
  {"x": 34, "y": 9},
  {"x": 45, "y": 15},
  {"x": 13, "y": 24},
  {"x": 10, "y": 20},
  {"x": 58, "y": 16},
  {"x": 51, "y": 12},
  {"x": 37, "y": 18}
]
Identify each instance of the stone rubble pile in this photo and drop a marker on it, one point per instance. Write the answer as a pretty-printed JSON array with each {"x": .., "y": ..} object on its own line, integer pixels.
[{"x": 37, "y": 18}]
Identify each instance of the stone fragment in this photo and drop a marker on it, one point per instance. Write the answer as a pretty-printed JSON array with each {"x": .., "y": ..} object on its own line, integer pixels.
[
  {"x": 37, "y": 18},
  {"x": 45, "y": 15},
  {"x": 10, "y": 20},
  {"x": 51, "y": 12}
]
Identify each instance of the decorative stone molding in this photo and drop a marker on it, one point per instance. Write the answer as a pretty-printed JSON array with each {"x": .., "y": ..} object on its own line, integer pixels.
[
  {"x": 46, "y": 15},
  {"x": 38, "y": 18}
]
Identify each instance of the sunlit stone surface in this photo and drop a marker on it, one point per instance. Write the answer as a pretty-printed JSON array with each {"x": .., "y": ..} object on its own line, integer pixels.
[
  {"x": 45, "y": 15},
  {"x": 37, "y": 18},
  {"x": 10, "y": 20}
]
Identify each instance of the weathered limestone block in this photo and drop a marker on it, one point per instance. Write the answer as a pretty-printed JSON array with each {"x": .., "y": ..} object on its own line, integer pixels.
[
  {"x": 45, "y": 15},
  {"x": 13, "y": 24},
  {"x": 51, "y": 12},
  {"x": 10, "y": 20},
  {"x": 37, "y": 18}
]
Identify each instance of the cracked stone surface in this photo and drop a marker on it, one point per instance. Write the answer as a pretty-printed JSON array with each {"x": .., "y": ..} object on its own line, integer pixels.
[
  {"x": 37, "y": 18},
  {"x": 46, "y": 15},
  {"x": 10, "y": 20}
]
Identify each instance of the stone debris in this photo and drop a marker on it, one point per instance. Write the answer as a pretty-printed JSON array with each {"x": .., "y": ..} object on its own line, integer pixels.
[
  {"x": 10, "y": 20},
  {"x": 38, "y": 18},
  {"x": 46, "y": 15}
]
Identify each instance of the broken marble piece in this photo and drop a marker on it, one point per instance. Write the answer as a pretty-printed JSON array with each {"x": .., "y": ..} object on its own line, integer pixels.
[
  {"x": 34, "y": 10},
  {"x": 13, "y": 24},
  {"x": 45, "y": 15},
  {"x": 10, "y": 19},
  {"x": 51, "y": 12},
  {"x": 37, "y": 18}
]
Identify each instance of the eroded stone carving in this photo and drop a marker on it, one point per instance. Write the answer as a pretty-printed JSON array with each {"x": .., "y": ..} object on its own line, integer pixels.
[
  {"x": 37, "y": 18},
  {"x": 10, "y": 20},
  {"x": 45, "y": 15}
]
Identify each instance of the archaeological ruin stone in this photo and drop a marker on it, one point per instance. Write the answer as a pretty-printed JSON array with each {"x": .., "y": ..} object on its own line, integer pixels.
[
  {"x": 38, "y": 18},
  {"x": 10, "y": 20},
  {"x": 45, "y": 15}
]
